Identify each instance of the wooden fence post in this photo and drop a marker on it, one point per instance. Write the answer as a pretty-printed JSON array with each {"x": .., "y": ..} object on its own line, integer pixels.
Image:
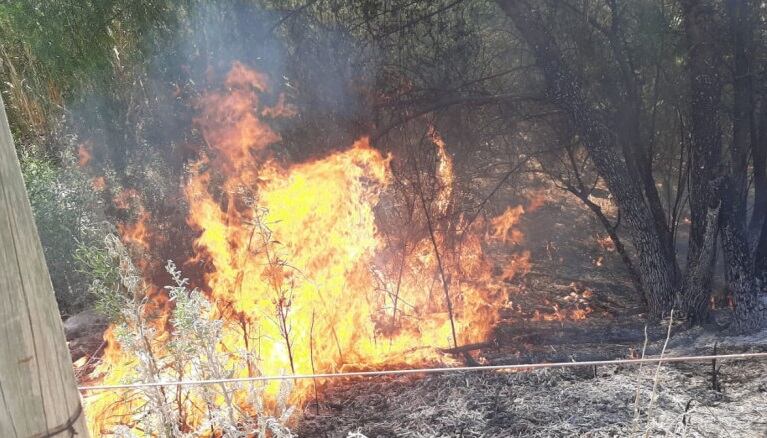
[{"x": 38, "y": 392}]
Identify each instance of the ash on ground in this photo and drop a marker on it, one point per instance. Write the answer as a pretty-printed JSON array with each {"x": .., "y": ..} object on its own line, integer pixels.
[{"x": 606, "y": 401}]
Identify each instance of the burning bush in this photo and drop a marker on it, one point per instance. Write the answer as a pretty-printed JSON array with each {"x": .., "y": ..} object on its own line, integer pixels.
[{"x": 295, "y": 278}]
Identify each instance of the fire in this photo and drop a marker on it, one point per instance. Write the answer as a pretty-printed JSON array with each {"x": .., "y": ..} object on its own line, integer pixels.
[
  {"x": 536, "y": 200},
  {"x": 125, "y": 198},
  {"x": 137, "y": 234},
  {"x": 577, "y": 306},
  {"x": 518, "y": 266},
  {"x": 84, "y": 155},
  {"x": 559, "y": 314},
  {"x": 98, "y": 183},
  {"x": 292, "y": 255},
  {"x": 504, "y": 225},
  {"x": 444, "y": 169},
  {"x": 605, "y": 243}
]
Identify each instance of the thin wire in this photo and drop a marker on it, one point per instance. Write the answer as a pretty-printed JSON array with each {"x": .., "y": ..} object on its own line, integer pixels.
[{"x": 523, "y": 367}]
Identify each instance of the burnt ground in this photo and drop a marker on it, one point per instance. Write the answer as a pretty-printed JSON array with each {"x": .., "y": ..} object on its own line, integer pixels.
[
  {"x": 572, "y": 275},
  {"x": 590, "y": 402}
]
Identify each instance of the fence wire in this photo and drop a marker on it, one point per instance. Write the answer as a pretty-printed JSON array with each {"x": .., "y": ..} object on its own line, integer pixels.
[{"x": 400, "y": 372}]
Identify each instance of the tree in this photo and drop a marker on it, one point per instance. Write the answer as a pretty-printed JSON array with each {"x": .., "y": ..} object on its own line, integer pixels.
[
  {"x": 656, "y": 268},
  {"x": 609, "y": 125}
]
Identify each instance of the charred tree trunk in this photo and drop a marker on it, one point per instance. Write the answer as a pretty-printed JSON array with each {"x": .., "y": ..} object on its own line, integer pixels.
[
  {"x": 693, "y": 298},
  {"x": 758, "y": 226},
  {"x": 739, "y": 262},
  {"x": 582, "y": 192},
  {"x": 740, "y": 27},
  {"x": 565, "y": 91},
  {"x": 640, "y": 164},
  {"x": 706, "y": 85},
  {"x": 739, "y": 265},
  {"x": 760, "y": 259},
  {"x": 627, "y": 98},
  {"x": 759, "y": 154}
]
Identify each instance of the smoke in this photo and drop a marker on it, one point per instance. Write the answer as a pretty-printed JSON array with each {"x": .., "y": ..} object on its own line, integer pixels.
[
  {"x": 140, "y": 127},
  {"x": 145, "y": 114}
]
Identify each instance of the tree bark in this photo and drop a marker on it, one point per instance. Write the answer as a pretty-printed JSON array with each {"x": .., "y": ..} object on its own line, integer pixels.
[
  {"x": 38, "y": 392},
  {"x": 628, "y": 101},
  {"x": 739, "y": 261},
  {"x": 758, "y": 225},
  {"x": 694, "y": 291},
  {"x": 739, "y": 265},
  {"x": 759, "y": 153},
  {"x": 565, "y": 91},
  {"x": 742, "y": 40},
  {"x": 706, "y": 86},
  {"x": 760, "y": 259},
  {"x": 639, "y": 163}
]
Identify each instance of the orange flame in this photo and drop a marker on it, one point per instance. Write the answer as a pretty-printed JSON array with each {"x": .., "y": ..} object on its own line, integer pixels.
[
  {"x": 293, "y": 252},
  {"x": 536, "y": 200},
  {"x": 577, "y": 307},
  {"x": 98, "y": 183},
  {"x": 444, "y": 170},
  {"x": 125, "y": 198},
  {"x": 518, "y": 266},
  {"x": 84, "y": 155},
  {"x": 136, "y": 234},
  {"x": 504, "y": 225},
  {"x": 606, "y": 243}
]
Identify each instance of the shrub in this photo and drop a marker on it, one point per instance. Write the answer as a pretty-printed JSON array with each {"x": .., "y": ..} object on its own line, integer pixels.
[
  {"x": 66, "y": 215},
  {"x": 191, "y": 353}
]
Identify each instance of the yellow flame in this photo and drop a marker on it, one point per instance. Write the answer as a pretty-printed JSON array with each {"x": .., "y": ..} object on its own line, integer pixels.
[{"x": 291, "y": 255}]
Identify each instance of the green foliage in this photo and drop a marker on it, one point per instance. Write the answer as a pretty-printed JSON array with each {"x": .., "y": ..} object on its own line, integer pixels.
[
  {"x": 63, "y": 204},
  {"x": 80, "y": 42},
  {"x": 101, "y": 270},
  {"x": 56, "y": 55}
]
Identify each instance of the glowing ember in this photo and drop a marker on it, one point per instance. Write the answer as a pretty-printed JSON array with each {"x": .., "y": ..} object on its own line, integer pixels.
[
  {"x": 606, "y": 243},
  {"x": 125, "y": 198}
]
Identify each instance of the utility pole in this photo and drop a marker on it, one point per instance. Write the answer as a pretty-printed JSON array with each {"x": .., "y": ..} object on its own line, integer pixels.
[{"x": 38, "y": 391}]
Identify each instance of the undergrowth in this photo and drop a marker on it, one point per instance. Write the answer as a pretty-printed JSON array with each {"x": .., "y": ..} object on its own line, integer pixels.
[{"x": 193, "y": 351}]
